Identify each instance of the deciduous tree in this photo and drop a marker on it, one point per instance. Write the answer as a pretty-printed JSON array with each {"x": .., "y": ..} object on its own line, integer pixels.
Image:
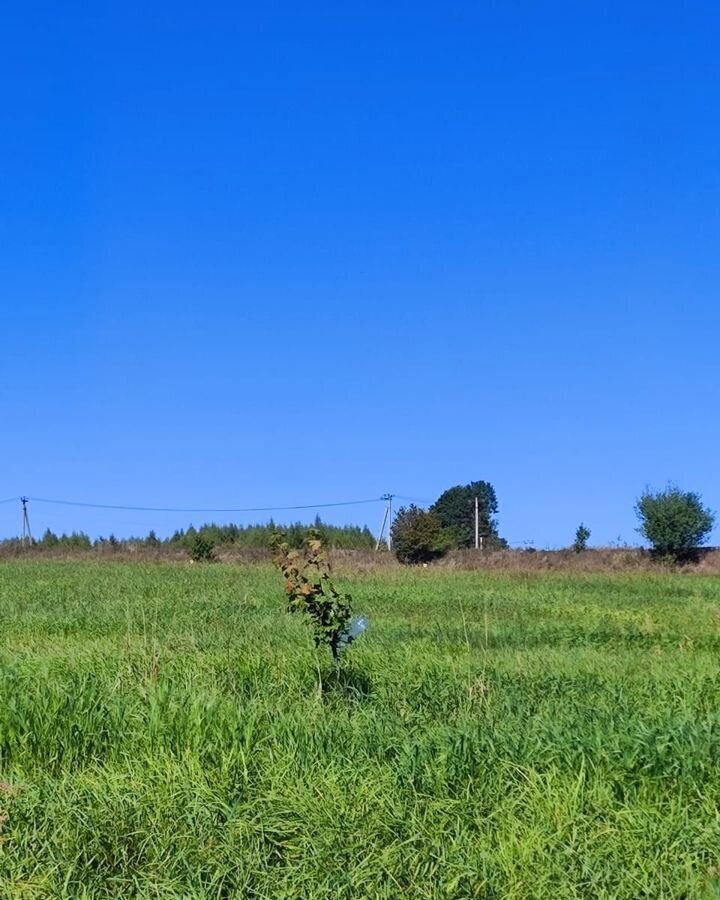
[{"x": 675, "y": 522}]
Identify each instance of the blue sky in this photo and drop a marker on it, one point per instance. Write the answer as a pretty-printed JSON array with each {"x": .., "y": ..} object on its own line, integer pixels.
[{"x": 271, "y": 254}]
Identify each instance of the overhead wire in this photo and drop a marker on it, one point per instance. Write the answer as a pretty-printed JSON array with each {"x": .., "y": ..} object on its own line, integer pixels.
[
  {"x": 176, "y": 509},
  {"x": 234, "y": 509}
]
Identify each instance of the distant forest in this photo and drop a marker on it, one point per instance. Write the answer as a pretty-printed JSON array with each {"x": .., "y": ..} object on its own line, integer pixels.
[{"x": 340, "y": 537}]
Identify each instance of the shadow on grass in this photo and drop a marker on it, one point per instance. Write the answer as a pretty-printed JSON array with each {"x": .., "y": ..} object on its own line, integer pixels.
[
  {"x": 688, "y": 557},
  {"x": 347, "y": 684}
]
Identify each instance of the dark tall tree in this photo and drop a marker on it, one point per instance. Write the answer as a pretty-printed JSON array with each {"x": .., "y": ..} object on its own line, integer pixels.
[{"x": 456, "y": 511}]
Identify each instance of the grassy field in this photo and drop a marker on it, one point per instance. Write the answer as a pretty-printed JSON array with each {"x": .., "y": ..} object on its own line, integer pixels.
[{"x": 168, "y": 731}]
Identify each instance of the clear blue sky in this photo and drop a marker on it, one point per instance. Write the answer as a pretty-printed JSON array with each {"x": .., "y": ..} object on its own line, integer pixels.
[{"x": 280, "y": 253}]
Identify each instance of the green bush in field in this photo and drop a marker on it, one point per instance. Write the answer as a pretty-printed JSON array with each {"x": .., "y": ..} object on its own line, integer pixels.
[
  {"x": 675, "y": 522},
  {"x": 418, "y": 536},
  {"x": 309, "y": 588},
  {"x": 202, "y": 549}
]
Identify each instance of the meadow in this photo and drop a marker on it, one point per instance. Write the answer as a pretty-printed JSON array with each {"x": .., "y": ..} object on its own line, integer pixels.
[{"x": 168, "y": 731}]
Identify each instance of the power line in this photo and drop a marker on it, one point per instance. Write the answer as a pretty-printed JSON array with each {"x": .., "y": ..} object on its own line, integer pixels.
[
  {"x": 10, "y": 500},
  {"x": 174, "y": 509}
]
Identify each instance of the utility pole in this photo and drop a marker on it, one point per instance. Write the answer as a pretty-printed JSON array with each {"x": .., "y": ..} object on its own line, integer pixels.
[
  {"x": 387, "y": 520},
  {"x": 26, "y": 536},
  {"x": 477, "y": 525},
  {"x": 382, "y": 529},
  {"x": 389, "y": 535}
]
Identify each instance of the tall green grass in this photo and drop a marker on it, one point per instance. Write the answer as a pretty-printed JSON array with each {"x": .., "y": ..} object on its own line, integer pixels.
[{"x": 168, "y": 731}]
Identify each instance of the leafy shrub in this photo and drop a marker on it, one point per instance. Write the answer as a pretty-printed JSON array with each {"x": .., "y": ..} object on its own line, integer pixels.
[
  {"x": 309, "y": 588},
  {"x": 675, "y": 522},
  {"x": 581, "y": 538},
  {"x": 418, "y": 535}
]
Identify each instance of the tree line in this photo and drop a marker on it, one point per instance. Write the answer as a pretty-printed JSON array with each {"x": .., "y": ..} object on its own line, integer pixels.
[{"x": 337, "y": 537}]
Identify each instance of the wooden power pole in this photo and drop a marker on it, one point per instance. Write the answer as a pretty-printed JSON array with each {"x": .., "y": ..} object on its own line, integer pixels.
[
  {"x": 26, "y": 536},
  {"x": 477, "y": 525},
  {"x": 387, "y": 520}
]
